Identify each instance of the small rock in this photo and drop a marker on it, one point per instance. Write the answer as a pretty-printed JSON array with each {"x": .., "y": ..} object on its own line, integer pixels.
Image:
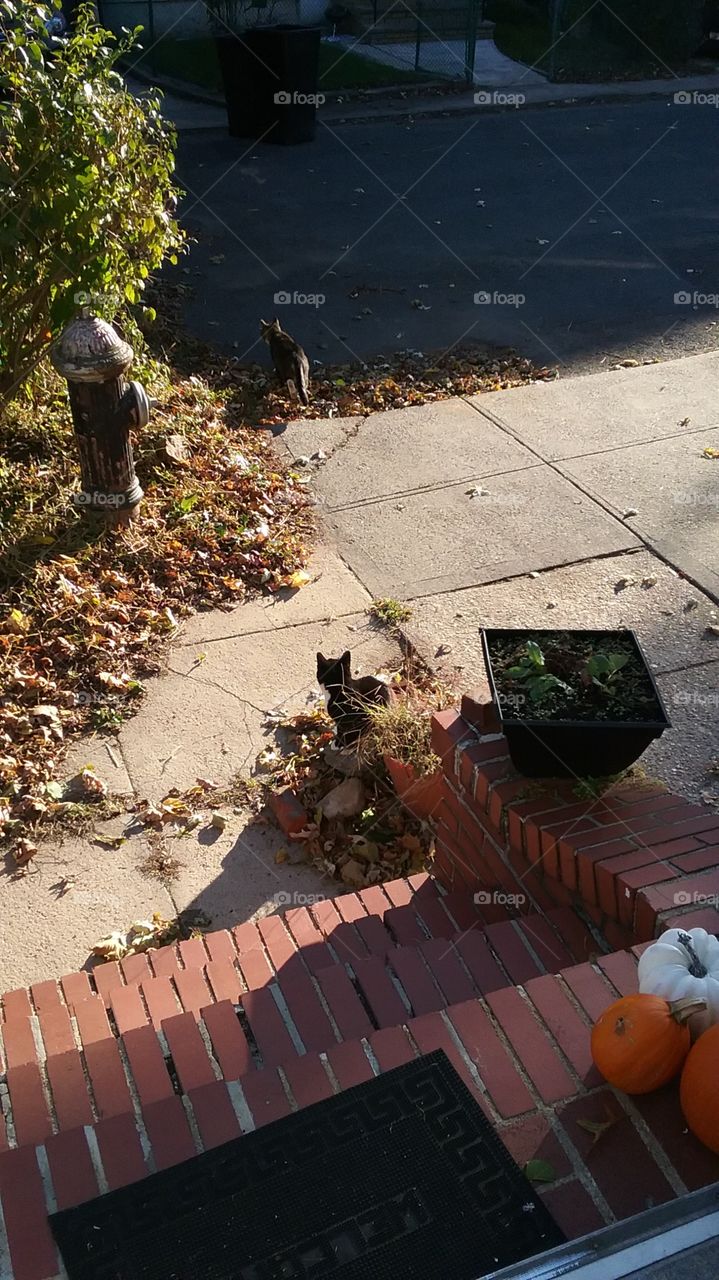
[
  {"x": 623, "y": 583},
  {"x": 319, "y": 455},
  {"x": 630, "y": 511},
  {"x": 534, "y": 574},
  {"x": 175, "y": 449},
  {"x": 353, "y": 873},
  {"x": 365, "y": 849},
  {"x": 302, "y": 461},
  {"x": 650, "y": 581},
  {"x": 691, "y": 604},
  {"x": 344, "y": 800},
  {"x": 346, "y": 762},
  {"x": 218, "y": 821},
  {"x": 552, "y": 604}
]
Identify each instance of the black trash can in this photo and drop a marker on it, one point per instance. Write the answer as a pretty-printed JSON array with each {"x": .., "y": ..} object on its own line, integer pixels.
[{"x": 270, "y": 76}]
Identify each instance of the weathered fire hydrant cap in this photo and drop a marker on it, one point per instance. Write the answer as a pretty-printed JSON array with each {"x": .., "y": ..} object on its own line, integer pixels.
[{"x": 89, "y": 350}]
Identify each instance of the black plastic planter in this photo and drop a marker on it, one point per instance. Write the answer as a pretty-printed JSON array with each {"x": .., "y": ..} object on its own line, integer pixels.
[
  {"x": 552, "y": 748},
  {"x": 270, "y": 77}
]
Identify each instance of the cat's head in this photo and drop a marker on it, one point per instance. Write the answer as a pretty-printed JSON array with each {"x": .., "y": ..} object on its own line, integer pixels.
[
  {"x": 267, "y": 328},
  {"x": 333, "y": 671}
]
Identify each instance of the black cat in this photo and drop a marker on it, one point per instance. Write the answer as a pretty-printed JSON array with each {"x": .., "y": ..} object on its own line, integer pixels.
[
  {"x": 347, "y": 699},
  {"x": 290, "y": 361}
]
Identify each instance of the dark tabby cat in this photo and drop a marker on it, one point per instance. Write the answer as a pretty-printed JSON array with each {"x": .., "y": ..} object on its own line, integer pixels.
[
  {"x": 290, "y": 361},
  {"x": 347, "y": 698}
]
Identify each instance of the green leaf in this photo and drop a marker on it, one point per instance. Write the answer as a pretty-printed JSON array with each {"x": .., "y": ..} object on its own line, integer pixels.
[
  {"x": 539, "y": 1171},
  {"x": 534, "y": 653},
  {"x": 55, "y": 790}
]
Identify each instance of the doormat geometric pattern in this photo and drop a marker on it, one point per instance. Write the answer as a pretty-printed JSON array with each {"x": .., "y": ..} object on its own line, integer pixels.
[{"x": 399, "y": 1178}]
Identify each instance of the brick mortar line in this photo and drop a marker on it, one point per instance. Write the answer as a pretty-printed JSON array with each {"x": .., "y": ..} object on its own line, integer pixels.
[
  {"x": 240, "y": 1106},
  {"x": 96, "y": 1159},
  {"x": 291, "y": 1100},
  {"x": 288, "y": 1020},
  {"x": 582, "y": 1171},
  {"x": 94, "y": 1109},
  {"x": 192, "y": 1123},
  {"x": 471, "y": 1066},
  {"x": 41, "y": 1060},
  {"x": 676, "y": 1182},
  {"x": 546, "y": 1029}
]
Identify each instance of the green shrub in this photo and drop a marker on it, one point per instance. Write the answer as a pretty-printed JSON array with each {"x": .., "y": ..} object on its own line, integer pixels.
[
  {"x": 86, "y": 187},
  {"x": 643, "y": 32}
]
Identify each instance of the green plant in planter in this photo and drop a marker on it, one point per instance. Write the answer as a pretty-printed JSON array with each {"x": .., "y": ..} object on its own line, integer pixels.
[
  {"x": 532, "y": 674},
  {"x": 603, "y": 669}
]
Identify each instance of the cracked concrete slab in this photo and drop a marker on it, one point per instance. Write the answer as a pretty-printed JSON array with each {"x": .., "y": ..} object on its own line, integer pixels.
[
  {"x": 306, "y": 436},
  {"x": 675, "y": 491},
  {"x": 333, "y": 591},
  {"x": 416, "y": 448},
  {"x": 207, "y": 718},
  {"x": 574, "y": 416},
  {"x": 76, "y": 893},
  {"x": 443, "y": 539}
]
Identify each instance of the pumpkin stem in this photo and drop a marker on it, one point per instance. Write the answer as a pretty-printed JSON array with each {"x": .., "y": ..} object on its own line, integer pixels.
[
  {"x": 682, "y": 1010},
  {"x": 696, "y": 968}
]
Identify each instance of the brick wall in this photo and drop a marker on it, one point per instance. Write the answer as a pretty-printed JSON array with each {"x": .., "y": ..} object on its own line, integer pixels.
[{"x": 635, "y": 860}]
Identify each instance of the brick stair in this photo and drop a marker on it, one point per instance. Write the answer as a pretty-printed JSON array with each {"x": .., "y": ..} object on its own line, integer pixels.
[{"x": 112, "y": 1075}]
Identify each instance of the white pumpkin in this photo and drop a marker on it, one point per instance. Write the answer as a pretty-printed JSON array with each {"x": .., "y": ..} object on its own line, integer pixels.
[{"x": 683, "y": 964}]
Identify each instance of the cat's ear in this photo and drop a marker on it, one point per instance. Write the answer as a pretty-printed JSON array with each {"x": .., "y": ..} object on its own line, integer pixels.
[
  {"x": 276, "y": 325},
  {"x": 321, "y": 660}
]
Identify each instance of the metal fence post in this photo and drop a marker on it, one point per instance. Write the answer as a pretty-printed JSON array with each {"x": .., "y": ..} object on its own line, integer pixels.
[{"x": 474, "y": 12}]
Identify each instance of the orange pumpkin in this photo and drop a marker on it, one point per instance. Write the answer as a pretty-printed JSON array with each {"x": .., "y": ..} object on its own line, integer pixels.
[
  {"x": 640, "y": 1042},
  {"x": 699, "y": 1089}
]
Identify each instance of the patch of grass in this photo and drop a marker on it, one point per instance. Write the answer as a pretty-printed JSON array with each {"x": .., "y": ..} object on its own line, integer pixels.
[
  {"x": 195, "y": 61},
  {"x": 402, "y": 730},
  {"x": 391, "y": 613}
]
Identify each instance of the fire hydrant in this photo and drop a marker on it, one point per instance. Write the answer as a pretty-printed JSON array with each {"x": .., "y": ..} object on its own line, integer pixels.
[{"x": 93, "y": 358}]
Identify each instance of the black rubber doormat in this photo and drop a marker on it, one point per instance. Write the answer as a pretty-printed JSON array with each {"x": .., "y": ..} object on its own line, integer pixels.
[{"x": 401, "y": 1178}]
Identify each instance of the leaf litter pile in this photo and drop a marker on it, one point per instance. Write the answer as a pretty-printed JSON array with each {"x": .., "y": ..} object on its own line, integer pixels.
[
  {"x": 366, "y": 839},
  {"x": 88, "y": 610}
]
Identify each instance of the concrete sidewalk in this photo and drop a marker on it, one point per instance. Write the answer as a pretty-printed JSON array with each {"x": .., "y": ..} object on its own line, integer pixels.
[
  {"x": 190, "y": 109},
  {"x": 509, "y": 509}
]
